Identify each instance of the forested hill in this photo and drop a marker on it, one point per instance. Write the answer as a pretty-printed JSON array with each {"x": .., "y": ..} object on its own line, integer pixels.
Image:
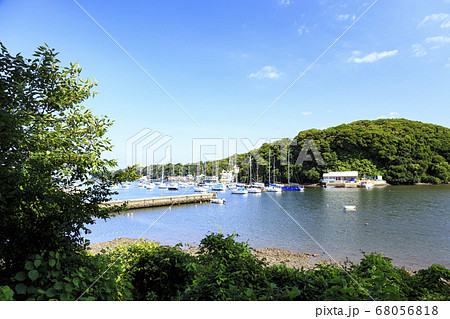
[{"x": 403, "y": 151}]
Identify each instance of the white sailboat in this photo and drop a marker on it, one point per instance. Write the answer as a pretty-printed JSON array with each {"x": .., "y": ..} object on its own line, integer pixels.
[
  {"x": 162, "y": 185},
  {"x": 273, "y": 188},
  {"x": 239, "y": 191}
]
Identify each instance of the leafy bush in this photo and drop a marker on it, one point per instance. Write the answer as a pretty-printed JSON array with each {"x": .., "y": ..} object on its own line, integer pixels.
[
  {"x": 58, "y": 276},
  {"x": 226, "y": 270},
  {"x": 431, "y": 284},
  {"x": 156, "y": 272},
  {"x": 223, "y": 269}
]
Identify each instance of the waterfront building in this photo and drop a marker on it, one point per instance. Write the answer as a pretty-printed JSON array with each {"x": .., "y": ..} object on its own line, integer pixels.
[{"x": 347, "y": 176}]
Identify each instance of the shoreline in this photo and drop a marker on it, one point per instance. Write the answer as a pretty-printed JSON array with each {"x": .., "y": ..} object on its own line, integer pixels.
[{"x": 273, "y": 256}]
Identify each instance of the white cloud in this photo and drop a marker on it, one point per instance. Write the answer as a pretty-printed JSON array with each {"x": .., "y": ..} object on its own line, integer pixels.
[
  {"x": 344, "y": 17},
  {"x": 266, "y": 72},
  {"x": 372, "y": 57},
  {"x": 285, "y": 2},
  {"x": 439, "y": 40},
  {"x": 302, "y": 29},
  {"x": 306, "y": 113},
  {"x": 419, "y": 50},
  {"x": 443, "y": 18}
]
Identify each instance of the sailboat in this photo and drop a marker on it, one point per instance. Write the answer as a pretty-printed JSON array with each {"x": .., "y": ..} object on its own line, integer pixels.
[
  {"x": 162, "y": 185},
  {"x": 289, "y": 186},
  {"x": 252, "y": 189},
  {"x": 273, "y": 187}
]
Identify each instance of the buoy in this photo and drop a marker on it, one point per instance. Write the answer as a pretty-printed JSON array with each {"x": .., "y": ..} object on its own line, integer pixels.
[{"x": 366, "y": 224}]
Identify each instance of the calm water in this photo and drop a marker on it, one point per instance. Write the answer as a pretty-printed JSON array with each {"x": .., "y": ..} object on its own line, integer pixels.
[{"x": 407, "y": 223}]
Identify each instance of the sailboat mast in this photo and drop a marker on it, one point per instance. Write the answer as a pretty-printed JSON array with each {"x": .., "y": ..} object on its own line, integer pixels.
[
  {"x": 289, "y": 175},
  {"x": 274, "y": 171},
  {"x": 257, "y": 171},
  {"x": 235, "y": 167},
  {"x": 250, "y": 166},
  {"x": 269, "y": 167}
]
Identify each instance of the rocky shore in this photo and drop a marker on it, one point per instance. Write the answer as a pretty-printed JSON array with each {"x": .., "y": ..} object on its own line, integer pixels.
[{"x": 273, "y": 256}]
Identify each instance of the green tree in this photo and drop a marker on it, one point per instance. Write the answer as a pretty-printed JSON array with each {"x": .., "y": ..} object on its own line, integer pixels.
[{"x": 51, "y": 148}]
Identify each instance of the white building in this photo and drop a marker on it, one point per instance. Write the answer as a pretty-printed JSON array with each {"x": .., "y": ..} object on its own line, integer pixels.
[
  {"x": 340, "y": 176},
  {"x": 226, "y": 177}
]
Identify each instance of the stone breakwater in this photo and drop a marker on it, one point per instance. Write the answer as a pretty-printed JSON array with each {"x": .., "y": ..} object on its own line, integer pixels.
[{"x": 162, "y": 201}]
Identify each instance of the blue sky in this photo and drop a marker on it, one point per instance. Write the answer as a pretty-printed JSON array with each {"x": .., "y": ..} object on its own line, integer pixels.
[{"x": 226, "y": 62}]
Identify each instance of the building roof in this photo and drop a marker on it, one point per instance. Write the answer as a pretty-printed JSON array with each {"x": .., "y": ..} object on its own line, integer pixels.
[{"x": 341, "y": 174}]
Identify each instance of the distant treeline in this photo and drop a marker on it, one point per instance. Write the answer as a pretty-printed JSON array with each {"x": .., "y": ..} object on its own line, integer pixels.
[{"x": 402, "y": 151}]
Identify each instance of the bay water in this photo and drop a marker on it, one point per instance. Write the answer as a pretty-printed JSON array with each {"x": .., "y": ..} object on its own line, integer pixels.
[{"x": 409, "y": 224}]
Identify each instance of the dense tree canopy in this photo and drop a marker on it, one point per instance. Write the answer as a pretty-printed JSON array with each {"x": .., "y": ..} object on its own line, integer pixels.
[
  {"x": 50, "y": 148},
  {"x": 402, "y": 151}
]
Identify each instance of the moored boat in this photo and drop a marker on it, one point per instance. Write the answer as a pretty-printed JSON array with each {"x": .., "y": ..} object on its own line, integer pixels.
[
  {"x": 218, "y": 187},
  {"x": 240, "y": 191}
]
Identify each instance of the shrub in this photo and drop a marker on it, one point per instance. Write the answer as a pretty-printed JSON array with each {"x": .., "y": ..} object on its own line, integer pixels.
[
  {"x": 59, "y": 276},
  {"x": 227, "y": 270},
  {"x": 156, "y": 272},
  {"x": 431, "y": 284}
]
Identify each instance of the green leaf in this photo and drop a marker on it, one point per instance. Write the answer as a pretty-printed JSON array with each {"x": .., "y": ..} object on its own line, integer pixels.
[
  {"x": 29, "y": 265},
  {"x": 31, "y": 290},
  {"x": 21, "y": 289},
  {"x": 37, "y": 262},
  {"x": 51, "y": 292},
  {"x": 33, "y": 274},
  {"x": 69, "y": 288},
  {"x": 20, "y": 276},
  {"x": 58, "y": 285},
  {"x": 52, "y": 262},
  {"x": 76, "y": 282}
]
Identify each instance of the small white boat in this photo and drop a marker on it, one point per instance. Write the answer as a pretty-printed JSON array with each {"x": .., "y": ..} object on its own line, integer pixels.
[
  {"x": 218, "y": 187},
  {"x": 240, "y": 191},
  {"x": 173, "y": 187},
  {"x": 254, "y": 190},
  {"x": 200, "y": 189},
  {"x": 273, "y": 189},
  {"x": 349, "y": 207},
  {"x": 126, "y": 185},
  {"x": 366, "y": 184}
]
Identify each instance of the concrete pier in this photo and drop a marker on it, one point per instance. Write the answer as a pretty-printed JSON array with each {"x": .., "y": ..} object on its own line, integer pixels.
[{"x": 162, "y": 201}]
